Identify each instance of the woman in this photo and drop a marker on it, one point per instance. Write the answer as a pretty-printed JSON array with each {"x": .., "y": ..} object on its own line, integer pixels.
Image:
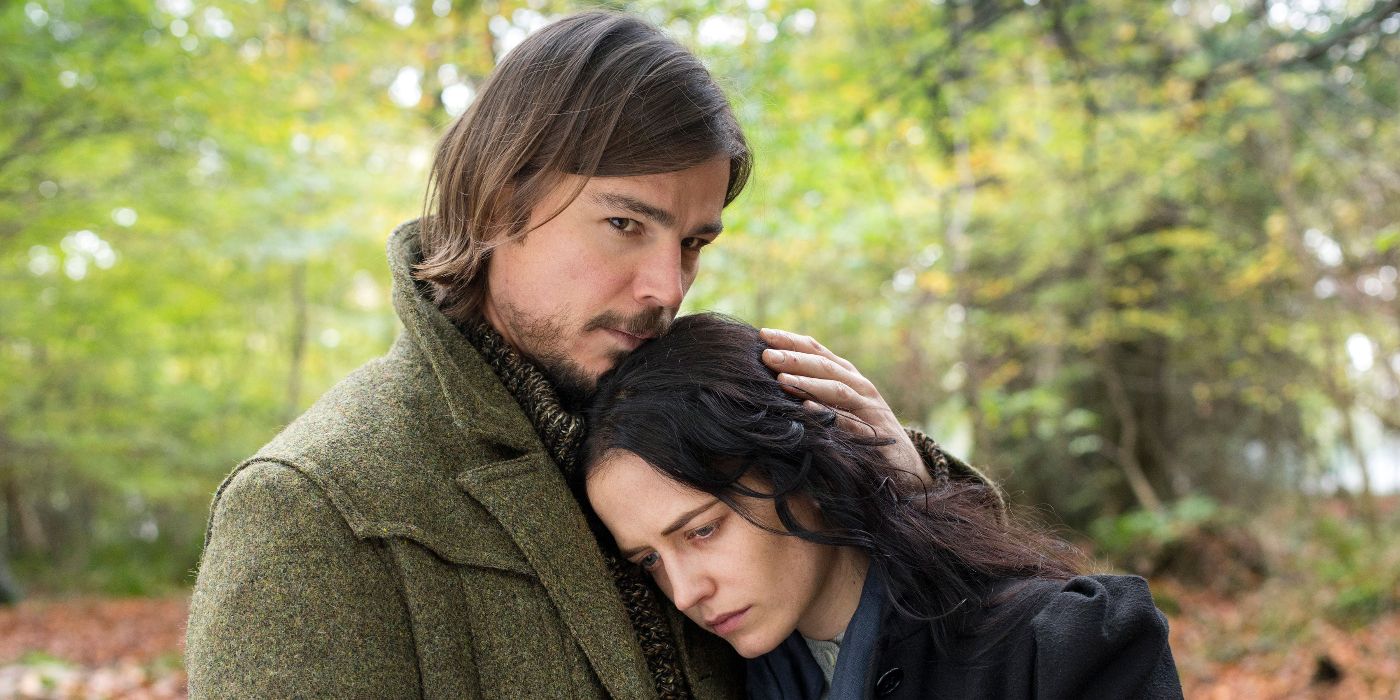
[{"x": 793, "y": 540}]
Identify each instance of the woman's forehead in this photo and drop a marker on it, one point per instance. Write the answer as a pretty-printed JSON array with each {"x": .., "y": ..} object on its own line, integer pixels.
[
  {"x": 624, "y": 476},
  {"x": 637, "y": 503}
]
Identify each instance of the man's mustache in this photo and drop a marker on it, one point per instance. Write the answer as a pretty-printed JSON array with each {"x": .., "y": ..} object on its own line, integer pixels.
[{"x": 648, "y": 324}]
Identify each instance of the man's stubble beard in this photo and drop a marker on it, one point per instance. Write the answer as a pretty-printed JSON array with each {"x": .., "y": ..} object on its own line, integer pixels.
[{"x": 539, "y": 340}]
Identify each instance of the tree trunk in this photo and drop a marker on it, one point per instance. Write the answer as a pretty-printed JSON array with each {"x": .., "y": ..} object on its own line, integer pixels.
[
  {"x": 1126, "y": 454},
  {"x": 9, "y": 587},
  {"x": 299, "y": 331}
]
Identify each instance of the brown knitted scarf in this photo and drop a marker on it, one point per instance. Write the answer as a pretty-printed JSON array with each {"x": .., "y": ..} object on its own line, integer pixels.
[{"x": 562, "y": 433}]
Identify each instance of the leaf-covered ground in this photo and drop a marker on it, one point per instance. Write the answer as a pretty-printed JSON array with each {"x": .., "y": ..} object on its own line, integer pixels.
[
  {"x": 93, "y": 648},
  {"x": 1225, "y": 649},
  {"x": 1269, "y": 645}
]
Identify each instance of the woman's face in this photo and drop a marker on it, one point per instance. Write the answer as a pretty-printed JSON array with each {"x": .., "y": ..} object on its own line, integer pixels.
[{"x": 750, "y": 586}]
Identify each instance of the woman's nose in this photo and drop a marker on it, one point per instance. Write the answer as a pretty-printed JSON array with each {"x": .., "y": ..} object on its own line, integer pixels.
[{"x": 690, "y": 588}]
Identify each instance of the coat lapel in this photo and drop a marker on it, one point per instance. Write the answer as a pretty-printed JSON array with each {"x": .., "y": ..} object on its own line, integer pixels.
[
  {"x": 531, "y": 500},
  {"x": 525, "y": 492}
]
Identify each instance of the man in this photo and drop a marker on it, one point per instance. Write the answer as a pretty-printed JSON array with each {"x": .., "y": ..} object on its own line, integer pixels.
[{"x": 415, "y": 533}]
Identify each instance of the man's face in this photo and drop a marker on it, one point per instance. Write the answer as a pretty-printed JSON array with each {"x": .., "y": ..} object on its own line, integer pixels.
[{"x": 585, "y": 288}]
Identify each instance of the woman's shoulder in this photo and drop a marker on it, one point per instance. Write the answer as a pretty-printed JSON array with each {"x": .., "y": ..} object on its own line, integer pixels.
[
  {"x": 1093, "y": 636},
  {"x": 1101, "y": 614},
  {"x": 1126, "y": 598},
  {"x": 1118, "y": 601},
  {"x": 1084, "y": 637}
]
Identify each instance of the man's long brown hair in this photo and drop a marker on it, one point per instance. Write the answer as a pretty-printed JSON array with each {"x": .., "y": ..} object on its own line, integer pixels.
[{"x": 597, "y": 94}]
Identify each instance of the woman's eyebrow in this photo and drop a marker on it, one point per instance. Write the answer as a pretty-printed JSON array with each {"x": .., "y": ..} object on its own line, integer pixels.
[
  {"x": 676, "y": 524},
  {"x": 686, "y": 517}
]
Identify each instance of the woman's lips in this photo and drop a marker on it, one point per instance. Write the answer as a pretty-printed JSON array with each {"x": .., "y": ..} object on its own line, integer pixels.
[{"x": 724, "y": 624}]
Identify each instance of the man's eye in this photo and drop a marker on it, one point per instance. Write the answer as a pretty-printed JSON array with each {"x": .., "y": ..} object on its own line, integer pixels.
[
  {"x": 694, "y": 243},
  {"x": 650, "y": 561},
  {"x": 623, "y": 224}
]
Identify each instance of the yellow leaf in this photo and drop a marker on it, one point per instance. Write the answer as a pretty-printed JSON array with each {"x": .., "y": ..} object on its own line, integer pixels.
[
  {"x": 935, "y": 282},
  {"x": 1002, "y": 375},
  {"x": 996, "y": 289}
]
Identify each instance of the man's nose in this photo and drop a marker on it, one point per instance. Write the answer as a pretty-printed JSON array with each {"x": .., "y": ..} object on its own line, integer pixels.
[{"x": 661, "y": 277}]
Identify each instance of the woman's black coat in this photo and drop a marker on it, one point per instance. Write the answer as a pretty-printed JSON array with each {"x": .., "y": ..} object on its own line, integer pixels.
[{"x": 1089, "y": 637}]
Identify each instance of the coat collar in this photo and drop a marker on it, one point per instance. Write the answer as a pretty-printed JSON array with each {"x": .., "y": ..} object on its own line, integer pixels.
[
  {"x": 524, "y": 491},
  {"x": 480, "y": 405}
]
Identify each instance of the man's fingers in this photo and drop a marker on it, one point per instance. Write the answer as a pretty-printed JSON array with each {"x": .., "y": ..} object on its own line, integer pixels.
[
  {"x": 855, "y": 426},
  {"x": 784, "y": 340},
  {"x": 827, "y": 383},
  {"x": 818, "y": 366},
  {"x": 832, "y": 392},
  {"x": 845, "y": 420}
]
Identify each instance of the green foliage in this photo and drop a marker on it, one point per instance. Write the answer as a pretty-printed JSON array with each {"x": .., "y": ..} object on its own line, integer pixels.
[
  {"x": 1137, "y": 540},
  {"x": 1113, "y": 252},
  {"x": 179, "y": 276},
  {"x": 41, "y": 658},
  {"x": 1360, "y": 573}
]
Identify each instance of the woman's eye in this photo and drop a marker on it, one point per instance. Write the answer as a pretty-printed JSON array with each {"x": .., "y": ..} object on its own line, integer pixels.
[
  {"x": 704, "y": 532},
  {"x": 649, "y": 561},
  {"x": 623, "y": 224}
]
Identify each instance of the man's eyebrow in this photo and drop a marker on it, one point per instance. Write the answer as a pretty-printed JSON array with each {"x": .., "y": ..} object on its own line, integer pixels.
[
  {"x": 678, "y": 523},
  {"x": 655, "y": 213}
]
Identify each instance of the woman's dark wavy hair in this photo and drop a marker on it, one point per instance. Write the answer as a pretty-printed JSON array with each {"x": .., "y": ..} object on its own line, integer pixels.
[{"x": 700, "y": 407}]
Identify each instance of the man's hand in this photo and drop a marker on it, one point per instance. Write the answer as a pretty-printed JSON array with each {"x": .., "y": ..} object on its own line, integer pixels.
[{"x": 808, "y": 370}]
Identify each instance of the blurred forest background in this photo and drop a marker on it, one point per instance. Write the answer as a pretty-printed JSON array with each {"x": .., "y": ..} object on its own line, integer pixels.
[{"x": 1137, "y": 258}]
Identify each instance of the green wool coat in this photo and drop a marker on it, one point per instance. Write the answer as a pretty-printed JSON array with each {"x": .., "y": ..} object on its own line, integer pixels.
[{"x": 409, "y": 536}]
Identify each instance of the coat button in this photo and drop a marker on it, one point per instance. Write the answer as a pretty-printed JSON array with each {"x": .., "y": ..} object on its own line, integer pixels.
[{"x": 889, "y": 681}]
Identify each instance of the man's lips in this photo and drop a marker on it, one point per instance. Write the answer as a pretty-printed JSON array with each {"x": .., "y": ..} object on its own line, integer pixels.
[
  {"x": 726, "y": 623},
  {"x": 630, "y": 340}
]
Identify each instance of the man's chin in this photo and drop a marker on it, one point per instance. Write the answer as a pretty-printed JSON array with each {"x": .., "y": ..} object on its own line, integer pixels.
[
  {"x": 573, "y": 382},
  {"x": 576, "y": 381}
]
